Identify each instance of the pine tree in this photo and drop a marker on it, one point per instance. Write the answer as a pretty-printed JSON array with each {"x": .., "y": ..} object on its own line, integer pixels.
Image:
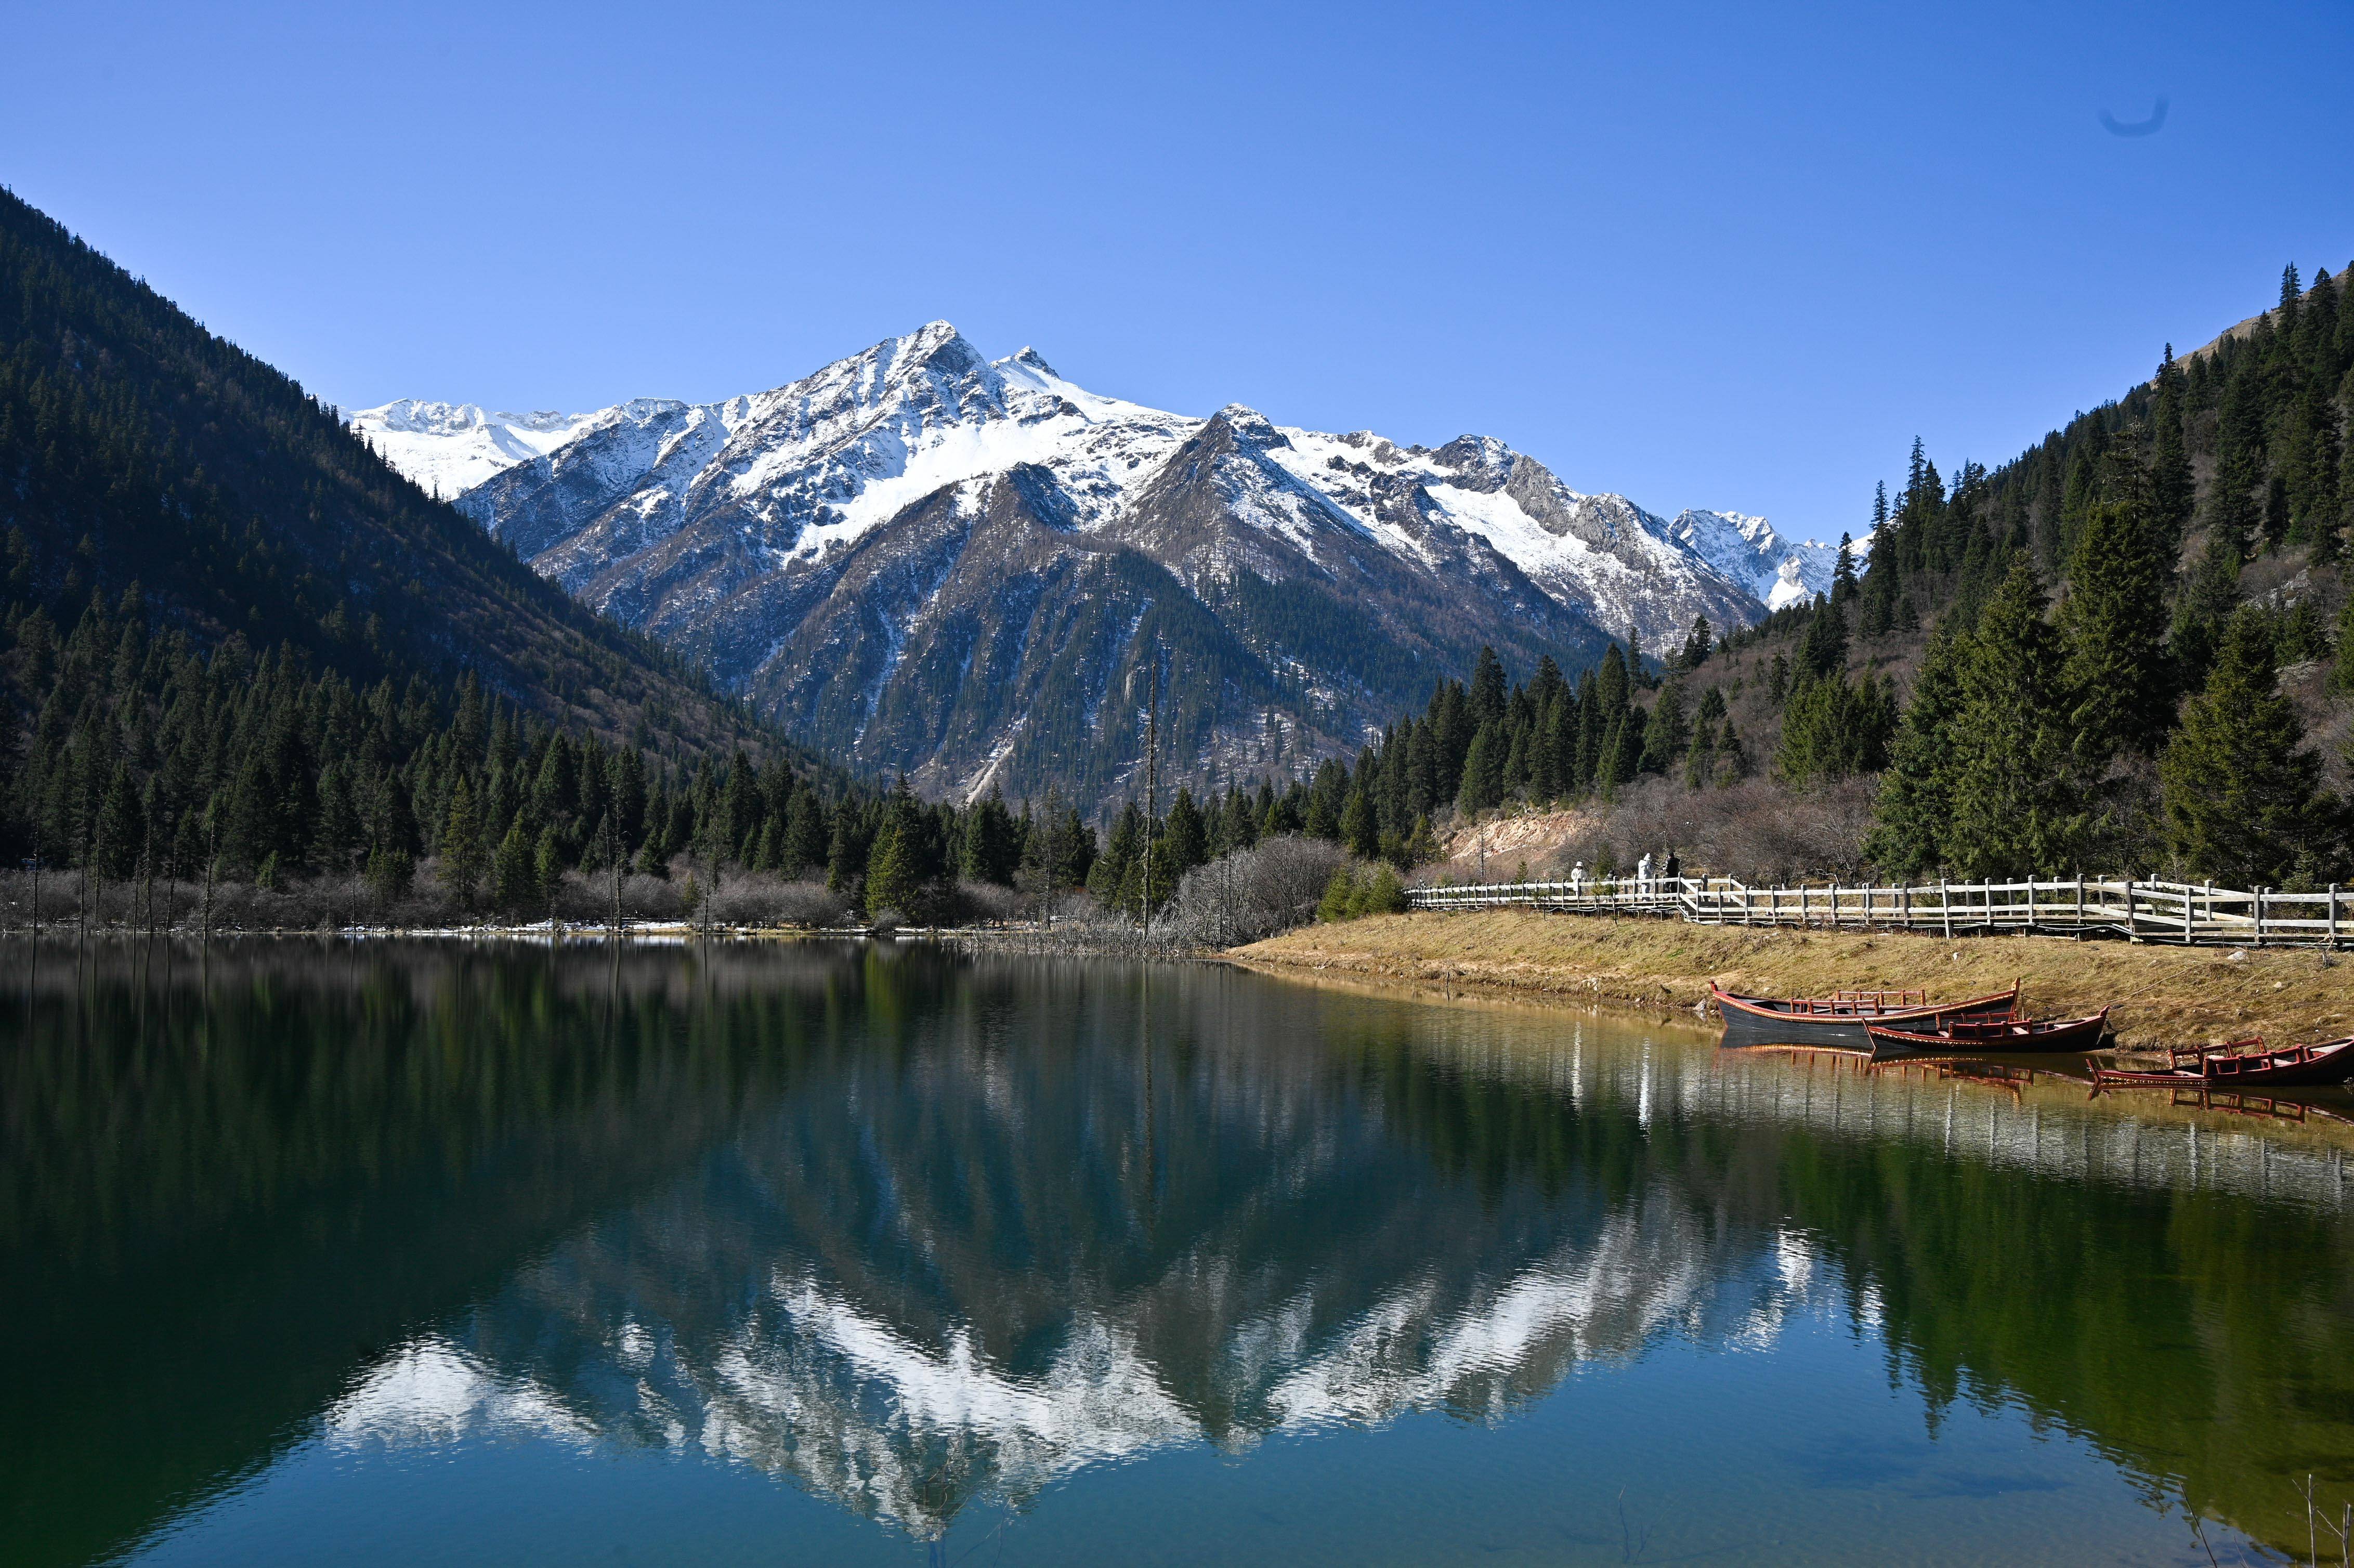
[
  {"x": 2113, "y": 620},
  {"x": 546, "y": 865},
  {"x": 1823, "y": 651},
  {"x": 1668, "y": 734},
  {"x": 1833, "y": 730},
  {"x": 893, "y": 883},
  {"x": 1916, "y": 805},
  {"x": 2172, "y": 489},
  {"x": 1486, "y": 695},
  {"x": 807, "y": 835},
  {"x": 2208, "y": 597},
  {"x": 845, "y": 854},
  {"x": 1732, "y": 757},
  {"x": 2018, "y": 806},
  {"x": 1360, "y": 830},
  {"x": 1188, "y": 838},
  {"x": 1324, "y": 822},
  {"x": 120, "y": 828},
  {"x": 1697, "y": 645},
  {"x": 1483, "y": 772},
  {"x": 461, "y": 850},
  {"x": 1339, "y": 900},
  {"x": 2235, "y": 517},
  {"x": 389, "y": 874},
  {"x": 990, "y": 850},
  {"x": 2238, "y": 786},
  {"x": 515, "y": 870}
]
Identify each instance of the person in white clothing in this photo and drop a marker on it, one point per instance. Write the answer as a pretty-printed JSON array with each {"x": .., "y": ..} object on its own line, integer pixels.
[
  {"x": 1643, "y": 873},
  {"x": 1577, "y": 880}
]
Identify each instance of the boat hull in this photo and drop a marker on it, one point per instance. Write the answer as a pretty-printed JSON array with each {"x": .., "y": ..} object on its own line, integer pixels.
[
  {"x": 2073, "y": 1036},
  {"x": 1759, "y": 1021},
  {"x": 1830, "y": 1033},
  {"x": 2315, "y": 1068}
]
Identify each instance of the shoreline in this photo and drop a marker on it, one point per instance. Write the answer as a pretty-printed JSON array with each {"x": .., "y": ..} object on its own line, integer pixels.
[
  {"x": 1638, "y": 967},
  {"x": 1661, "y": 969}
]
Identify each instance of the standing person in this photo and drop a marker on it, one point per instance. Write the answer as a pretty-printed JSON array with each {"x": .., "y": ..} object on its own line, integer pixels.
[
  {"x": 1577, "y": 880},
  {"x": 1674, "y": 870},
  {"x": 1643, "y": 873}
]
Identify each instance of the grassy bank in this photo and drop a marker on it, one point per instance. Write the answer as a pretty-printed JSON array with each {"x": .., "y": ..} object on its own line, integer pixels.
[{"x": 2170, "y": 995}]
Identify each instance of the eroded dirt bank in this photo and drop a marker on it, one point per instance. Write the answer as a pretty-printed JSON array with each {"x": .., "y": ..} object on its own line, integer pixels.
[{"x": 2159, "y": 995}]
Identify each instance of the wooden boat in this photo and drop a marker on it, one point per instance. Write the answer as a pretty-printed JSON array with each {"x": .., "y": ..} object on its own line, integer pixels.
[
  {"x": 2001, "y": 1033},
  {"x": 1840, "y": 1020},
  {"x": 2243, "y": 1063}
]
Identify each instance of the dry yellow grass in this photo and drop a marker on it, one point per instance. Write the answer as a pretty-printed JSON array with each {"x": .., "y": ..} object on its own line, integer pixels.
[{"x": 2159, "y": 995}]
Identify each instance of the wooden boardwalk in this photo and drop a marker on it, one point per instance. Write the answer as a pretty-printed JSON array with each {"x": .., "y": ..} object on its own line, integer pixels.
[{"x": 2181, "y": 912}]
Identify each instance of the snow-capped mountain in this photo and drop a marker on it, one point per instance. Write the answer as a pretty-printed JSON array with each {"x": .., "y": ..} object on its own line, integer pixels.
[
  {"x": 450, "y": 448},
  {"x": 932, "y": 561},
  {"x": 1748, "y": 551}
]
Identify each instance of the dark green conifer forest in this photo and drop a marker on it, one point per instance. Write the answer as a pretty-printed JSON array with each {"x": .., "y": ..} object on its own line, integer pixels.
[
  {"x": 234, "y": 643},
  {"x": 2128, "y": 650}
]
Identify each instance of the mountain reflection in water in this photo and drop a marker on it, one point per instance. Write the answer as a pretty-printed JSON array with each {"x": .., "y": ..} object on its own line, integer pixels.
[
  {"x": 989, "y": 1251},
  {"x": 915, "y": 1230}
]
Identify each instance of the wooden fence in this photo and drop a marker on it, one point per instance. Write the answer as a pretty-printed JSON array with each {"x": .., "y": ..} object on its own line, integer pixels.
[{"x": 2138, "y": 911}]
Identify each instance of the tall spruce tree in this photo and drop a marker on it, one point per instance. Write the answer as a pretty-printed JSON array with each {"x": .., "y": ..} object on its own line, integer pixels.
[
  {"x": 1823, "y": 651},
  {"x": 2170, "y": 483},
  {"x": 463, "y": 858},
  {"x": 2018, "y": 804},
  {"x": 2239, "y": 788},
  {"x": 2208, "y": 595},
  {"x": 2114, "y": 621}
]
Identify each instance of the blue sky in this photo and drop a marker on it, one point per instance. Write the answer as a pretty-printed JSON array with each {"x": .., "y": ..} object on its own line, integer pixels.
[{"x": 1723, "y": 257}]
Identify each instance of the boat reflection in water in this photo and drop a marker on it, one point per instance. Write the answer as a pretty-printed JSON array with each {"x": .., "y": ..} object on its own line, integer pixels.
[{"x": 929, "y": 1235}]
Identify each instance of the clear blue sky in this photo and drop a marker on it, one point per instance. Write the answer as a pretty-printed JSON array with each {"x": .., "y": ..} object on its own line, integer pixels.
[{"x": 1734, "y": 257}]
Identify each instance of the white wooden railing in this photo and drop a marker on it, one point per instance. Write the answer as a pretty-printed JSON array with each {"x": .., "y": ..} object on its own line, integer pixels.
[{"x": 2141, "y": 911}]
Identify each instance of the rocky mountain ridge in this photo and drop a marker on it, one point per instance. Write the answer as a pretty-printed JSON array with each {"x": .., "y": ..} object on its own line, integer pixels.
[{"x": 965, "y": 568}]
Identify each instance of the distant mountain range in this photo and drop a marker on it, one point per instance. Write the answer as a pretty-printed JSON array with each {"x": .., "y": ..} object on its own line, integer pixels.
[{"x": 967, "y": 569}]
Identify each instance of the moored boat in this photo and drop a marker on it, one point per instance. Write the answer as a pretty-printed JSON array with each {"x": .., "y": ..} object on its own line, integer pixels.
[
  {"x": 2001, "y": 1033},
  {"x": 2243, "y": 1063},
  {"x": 1842, "y": 1020}
]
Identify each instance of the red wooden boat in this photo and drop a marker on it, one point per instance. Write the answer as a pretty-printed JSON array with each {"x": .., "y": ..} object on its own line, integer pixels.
[
  {"x": 1838, "y": 1020},
  {"x": 2001, "y": 1033},
  {"x": 2244, "y": 1063}
]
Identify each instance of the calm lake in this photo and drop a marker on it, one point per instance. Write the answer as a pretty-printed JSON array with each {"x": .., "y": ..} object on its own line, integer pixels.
[{"x": 403, "y": 1253}]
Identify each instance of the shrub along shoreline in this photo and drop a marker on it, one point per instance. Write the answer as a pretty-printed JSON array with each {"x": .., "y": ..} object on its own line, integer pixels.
[{"x": 2159, "y": 995}]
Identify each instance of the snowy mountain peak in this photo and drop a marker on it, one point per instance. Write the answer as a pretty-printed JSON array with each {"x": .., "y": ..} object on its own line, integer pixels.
[
  {"x": 450, "y": 448},
  {"x": 904, "y": 553},
  {"x": 1483, "y": 462},
  {"x": 1251, "y": 428},
  {"x": 1748, "y": 550},
  {"x": 939, "y": 347}
]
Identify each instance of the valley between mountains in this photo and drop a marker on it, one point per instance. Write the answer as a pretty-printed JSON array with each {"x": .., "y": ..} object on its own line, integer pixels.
[{"x": 923, "y": 560}]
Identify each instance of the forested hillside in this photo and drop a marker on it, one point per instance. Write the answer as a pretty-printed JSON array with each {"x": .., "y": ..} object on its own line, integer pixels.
[
  {"x": 137, "y": 447},
  {"x": 231, "y": 636},
  {"x": 2127, "y": 649}
]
